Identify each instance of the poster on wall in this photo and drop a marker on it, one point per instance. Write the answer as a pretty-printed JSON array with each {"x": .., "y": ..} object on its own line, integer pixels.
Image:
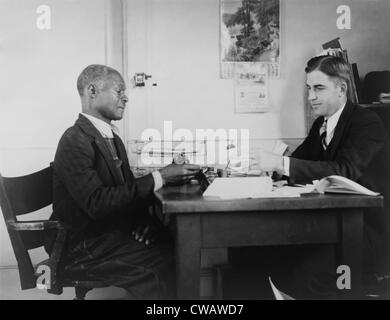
[{"x": 249, "y": 37}]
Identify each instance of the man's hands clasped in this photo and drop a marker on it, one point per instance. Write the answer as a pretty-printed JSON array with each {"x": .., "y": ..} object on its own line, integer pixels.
[
  {"x": 146, "y": 233},
  {"x": 148, "y": 230}
]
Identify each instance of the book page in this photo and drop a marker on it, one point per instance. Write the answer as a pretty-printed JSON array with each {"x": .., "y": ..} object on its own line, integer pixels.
[{"x": 339, "y": 184}]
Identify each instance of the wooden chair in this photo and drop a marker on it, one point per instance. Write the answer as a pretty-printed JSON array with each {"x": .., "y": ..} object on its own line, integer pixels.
[{"x": 26, "y": 194}]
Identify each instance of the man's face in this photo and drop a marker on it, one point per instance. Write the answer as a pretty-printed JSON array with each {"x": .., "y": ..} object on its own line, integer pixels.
[
  {"x": 110, "y": 100},
  {"x": 324, "y": 95}
]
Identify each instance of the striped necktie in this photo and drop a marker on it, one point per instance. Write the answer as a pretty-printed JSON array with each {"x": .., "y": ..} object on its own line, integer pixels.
[
  {"x": 117, "y": 161},
  {"x": 323, "y": 134}
]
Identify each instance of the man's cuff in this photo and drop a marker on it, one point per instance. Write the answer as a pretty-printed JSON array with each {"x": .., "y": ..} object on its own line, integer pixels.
[
  {"x": 286, "y": 166},
  {"x": 158, "y": 181}
]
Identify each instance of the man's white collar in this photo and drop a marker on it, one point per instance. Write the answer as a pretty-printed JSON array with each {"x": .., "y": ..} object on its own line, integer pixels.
[
  {"x": 334, "y": 119},
  {"x": 104, "y": 128}
]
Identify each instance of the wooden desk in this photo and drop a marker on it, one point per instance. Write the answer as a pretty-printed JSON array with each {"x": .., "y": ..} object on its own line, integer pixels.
[{"x": 200, "y": 223}]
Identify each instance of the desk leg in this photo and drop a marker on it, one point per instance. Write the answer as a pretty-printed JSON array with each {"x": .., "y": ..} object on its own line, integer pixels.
[
  {"x": 188, "y": 247},
  {"x": 352, "y": 250}
]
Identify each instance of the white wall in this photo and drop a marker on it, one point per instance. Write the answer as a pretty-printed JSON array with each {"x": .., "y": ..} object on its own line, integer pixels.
[
  {"x": 177, "y": 41},
  {"x": 39, "y": 69}
]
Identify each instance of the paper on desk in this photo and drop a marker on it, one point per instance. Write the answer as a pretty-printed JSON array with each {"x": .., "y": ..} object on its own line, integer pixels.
[
  {"x": 289, "y": 191},
  {"x": 279, "y": 147},
  {"x": 279, "y": 295},
  {"x": 252, "y": 187},
  {"x": 239, "y": 188}
]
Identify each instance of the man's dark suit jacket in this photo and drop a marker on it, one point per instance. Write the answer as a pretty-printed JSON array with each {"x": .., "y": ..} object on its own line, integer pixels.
[
  {"x": 88, "y": 196},
  {"x": 359, "y": 150}
]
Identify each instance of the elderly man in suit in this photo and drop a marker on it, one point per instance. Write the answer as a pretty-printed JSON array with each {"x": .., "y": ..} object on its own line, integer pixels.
[
  {"x": 105, "y": 208},
  {"x": 345, "y": 139}
]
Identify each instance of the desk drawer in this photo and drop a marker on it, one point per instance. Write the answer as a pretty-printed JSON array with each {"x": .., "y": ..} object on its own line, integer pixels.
[{"x": 269, "y": 228}]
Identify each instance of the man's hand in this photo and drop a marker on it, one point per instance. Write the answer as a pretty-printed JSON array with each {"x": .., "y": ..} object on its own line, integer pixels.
[
  {"x": 144, "y": 234},
  {"x": 174, "y": 174},
  {"x": 270, "y": 162},
  {"x": 147, "y": 231}
]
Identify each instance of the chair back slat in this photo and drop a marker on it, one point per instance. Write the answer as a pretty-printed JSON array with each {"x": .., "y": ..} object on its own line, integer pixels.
[
  {"x": 31, "y": 192},
  {"x": 21, "y": 195},
  {"x": 25, "y": 266}
]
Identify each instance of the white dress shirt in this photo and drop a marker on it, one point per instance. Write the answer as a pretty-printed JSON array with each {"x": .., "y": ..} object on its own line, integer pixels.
[
  {"x": 330, "y": 127},
  {"x": 106, "y": 130},
  {"x": 331, "y": 124}
]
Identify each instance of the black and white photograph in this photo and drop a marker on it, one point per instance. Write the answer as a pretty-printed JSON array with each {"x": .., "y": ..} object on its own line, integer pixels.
[{"x": 226, "y": 151}]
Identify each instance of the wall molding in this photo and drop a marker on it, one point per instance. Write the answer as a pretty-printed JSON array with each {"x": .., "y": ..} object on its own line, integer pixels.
[
  {"x": 7, "y": 267},
  {"x": 27, "y": 148}
]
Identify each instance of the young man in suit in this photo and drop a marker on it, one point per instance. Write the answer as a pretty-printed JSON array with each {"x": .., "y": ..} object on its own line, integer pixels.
[
  {"x": 345, "y": 139},
  {"x": 111, "y": 237}
]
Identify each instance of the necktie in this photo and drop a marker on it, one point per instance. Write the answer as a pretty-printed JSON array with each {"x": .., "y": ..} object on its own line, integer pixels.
[
  {"x": 323, "y": 134},
  {"x": 117, "y": 161}
]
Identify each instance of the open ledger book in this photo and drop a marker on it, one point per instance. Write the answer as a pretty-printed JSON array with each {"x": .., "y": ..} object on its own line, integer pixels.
[
  {"x": 339, "y": 184},
  {"x": 263, "y": 187}
]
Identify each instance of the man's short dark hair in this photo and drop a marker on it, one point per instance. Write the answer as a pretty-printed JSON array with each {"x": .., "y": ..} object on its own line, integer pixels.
[
  {"x": 334, "y": 67},
  {"x": 95, "y": 74}
]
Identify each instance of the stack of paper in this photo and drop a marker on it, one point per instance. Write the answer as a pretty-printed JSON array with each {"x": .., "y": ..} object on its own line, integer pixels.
[
  {"x": 239, "y": 188},
  {"x": 252, "y": 187}
]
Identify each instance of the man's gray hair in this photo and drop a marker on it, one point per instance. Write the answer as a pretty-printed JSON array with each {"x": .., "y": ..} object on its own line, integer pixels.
[{"x": 95, "y": 74}]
